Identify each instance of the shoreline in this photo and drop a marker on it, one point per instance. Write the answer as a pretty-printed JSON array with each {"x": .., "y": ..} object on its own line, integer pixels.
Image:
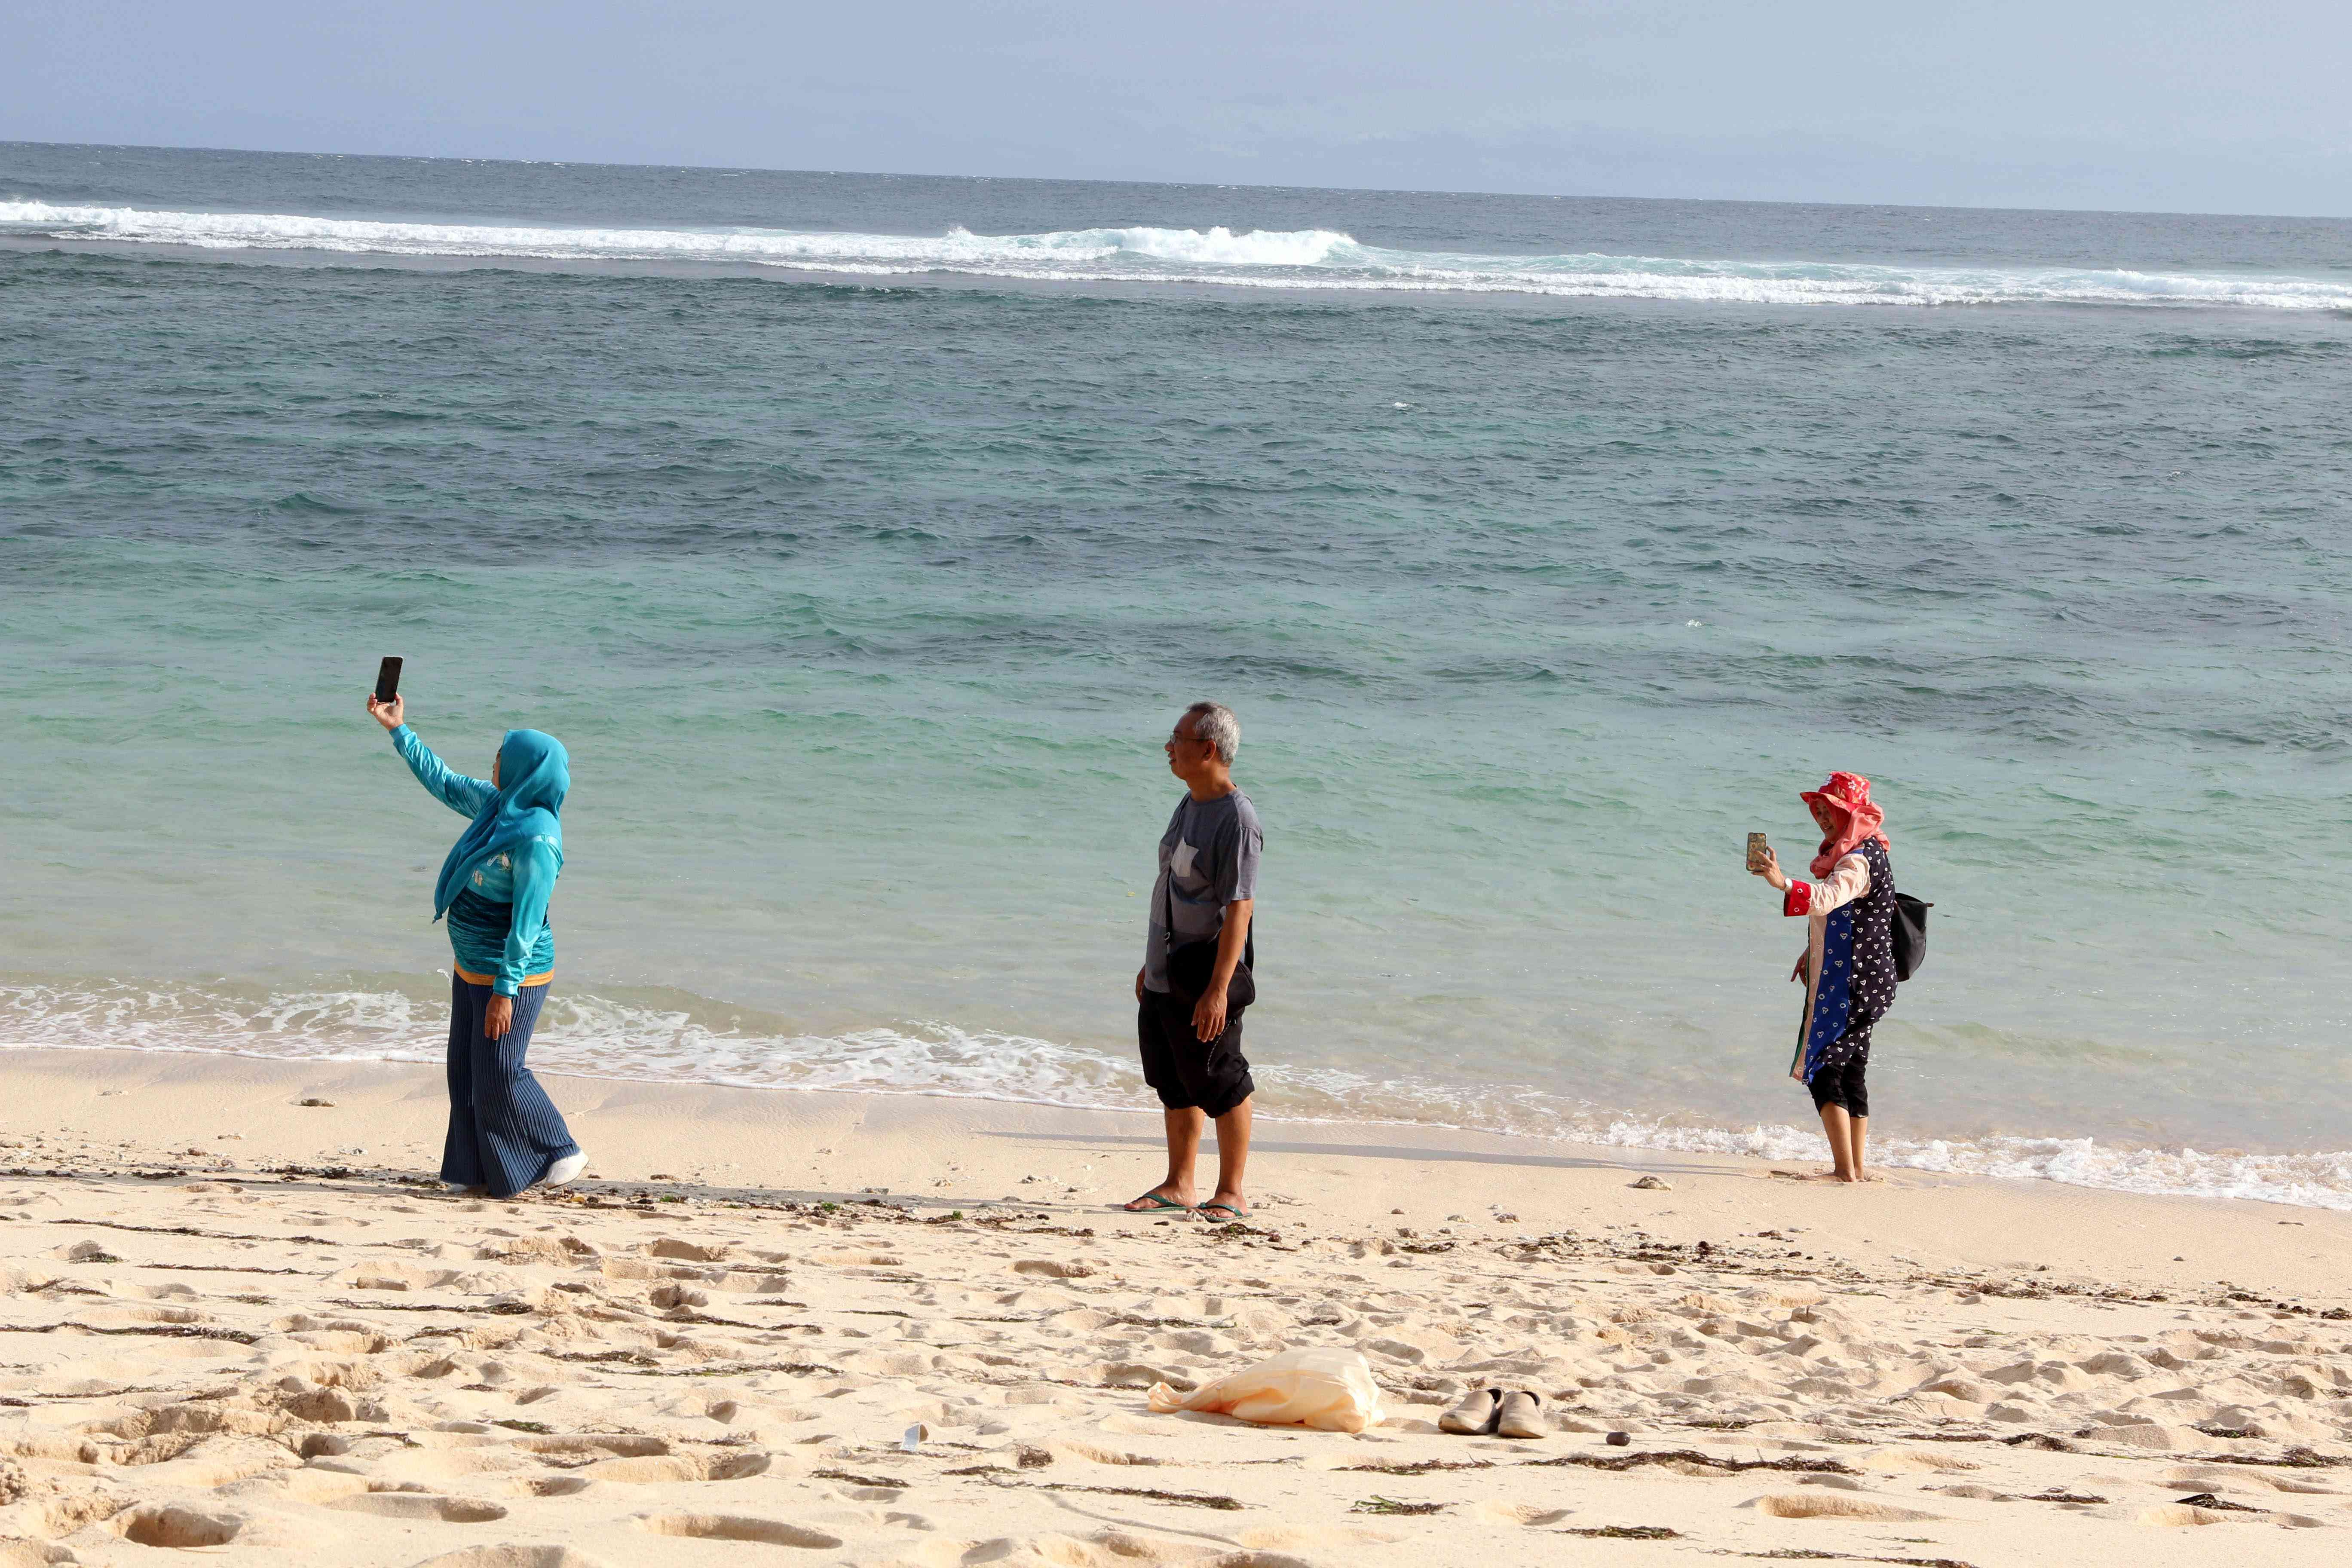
[{"x": 2264, "y": 1177}]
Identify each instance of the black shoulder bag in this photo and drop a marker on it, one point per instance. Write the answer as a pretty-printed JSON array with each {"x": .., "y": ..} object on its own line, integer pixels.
[{"x": 1910, "y": 933}]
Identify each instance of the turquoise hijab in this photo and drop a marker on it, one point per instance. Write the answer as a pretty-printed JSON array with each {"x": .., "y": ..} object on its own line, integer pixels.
[{"x": 534, "y": 775}]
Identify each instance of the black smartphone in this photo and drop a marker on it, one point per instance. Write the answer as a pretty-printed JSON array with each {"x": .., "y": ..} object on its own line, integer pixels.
[{"x": 388, "y": 680}]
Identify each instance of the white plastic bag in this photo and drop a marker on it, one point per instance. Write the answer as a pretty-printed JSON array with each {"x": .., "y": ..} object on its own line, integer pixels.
[{"x": 1330, "y": 1390}]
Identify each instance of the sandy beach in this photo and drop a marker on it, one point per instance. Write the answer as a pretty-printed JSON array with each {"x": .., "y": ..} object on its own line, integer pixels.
[{"x": 246, "y": 1322}]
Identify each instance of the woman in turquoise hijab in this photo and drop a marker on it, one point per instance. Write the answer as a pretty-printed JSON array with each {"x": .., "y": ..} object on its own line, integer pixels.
[{"x": 505, "y": 1135}]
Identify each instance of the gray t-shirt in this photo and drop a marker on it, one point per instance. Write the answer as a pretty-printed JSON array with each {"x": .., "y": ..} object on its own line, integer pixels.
[{"x": 1207, "y": 858}]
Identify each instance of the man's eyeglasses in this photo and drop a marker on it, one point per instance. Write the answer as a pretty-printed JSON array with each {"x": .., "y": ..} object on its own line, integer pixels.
[{"x": 1179, "y": 738}]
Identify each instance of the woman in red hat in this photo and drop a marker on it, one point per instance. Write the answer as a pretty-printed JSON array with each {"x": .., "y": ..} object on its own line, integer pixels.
[{"x": 1848, "y": 964}]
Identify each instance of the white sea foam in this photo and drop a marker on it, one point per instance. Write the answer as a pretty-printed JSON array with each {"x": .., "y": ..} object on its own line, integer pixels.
[
  {"x": 1299, "y": 258},
  {"x": 598, "y": 1037}
]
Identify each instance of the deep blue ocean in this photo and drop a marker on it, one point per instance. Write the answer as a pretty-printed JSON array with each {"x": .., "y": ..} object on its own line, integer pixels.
[{"x": 862, "y": 537}]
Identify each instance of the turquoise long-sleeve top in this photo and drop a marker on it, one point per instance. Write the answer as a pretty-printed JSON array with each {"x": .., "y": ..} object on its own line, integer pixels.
[{"x": 498, "y": 925}]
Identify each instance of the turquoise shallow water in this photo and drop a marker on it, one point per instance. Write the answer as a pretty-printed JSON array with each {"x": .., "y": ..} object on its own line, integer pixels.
[{"x": 861, "y": 537}]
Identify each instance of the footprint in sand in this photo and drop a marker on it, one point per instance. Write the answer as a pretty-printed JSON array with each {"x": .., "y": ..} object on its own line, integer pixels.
[
  {"x": 2176, "y": 1515},
  {"x": 680, "y": 1468},
  {"x": 442, "y": 1466},
  {"x": 623, "y": 1445},
  {"x": 178, "y": 1527},
  {"x": 1070, "y": 1448},
  {"x": 1311, "y": 1538},
  {"x": 550, "y": 1486},
  {"x": 1895, "y": 1460},
  {"x": 513, "y": 1556},
  {"x": 736, "y": 1527},
  {"x": 1110, "y": 1549},
  {"x": 421, "y": 1506},
  {"x": 395, "y": 1276},
  {"x": 1835, "y": 1505},
  {"x": 207, "y": 1462}
]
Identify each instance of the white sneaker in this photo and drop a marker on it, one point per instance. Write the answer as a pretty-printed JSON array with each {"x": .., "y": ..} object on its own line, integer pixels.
[{"x": 564, "y": 1170}]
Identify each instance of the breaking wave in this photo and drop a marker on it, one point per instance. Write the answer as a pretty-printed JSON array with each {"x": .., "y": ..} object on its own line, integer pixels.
[
  {"x": 678, "y": 1039},
  {"x": 1264, "y": 258}
]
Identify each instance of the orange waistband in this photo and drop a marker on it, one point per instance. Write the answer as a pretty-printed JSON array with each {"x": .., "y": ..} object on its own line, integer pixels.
[{"x": 472, "y": 979}]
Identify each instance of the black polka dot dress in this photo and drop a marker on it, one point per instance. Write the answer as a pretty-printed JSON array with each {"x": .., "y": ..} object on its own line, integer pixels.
[{"x": 1853, "y": 960}]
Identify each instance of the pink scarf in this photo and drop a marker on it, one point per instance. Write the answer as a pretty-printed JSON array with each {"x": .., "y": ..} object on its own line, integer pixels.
[{"x": 1848, "y": 797}]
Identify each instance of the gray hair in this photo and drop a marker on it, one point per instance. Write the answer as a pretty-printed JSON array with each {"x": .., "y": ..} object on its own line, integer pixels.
[{"x": 1214, "y": 723}]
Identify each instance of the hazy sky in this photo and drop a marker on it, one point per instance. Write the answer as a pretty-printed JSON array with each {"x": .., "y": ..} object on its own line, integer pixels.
[{"x": 2170, "y": 104}]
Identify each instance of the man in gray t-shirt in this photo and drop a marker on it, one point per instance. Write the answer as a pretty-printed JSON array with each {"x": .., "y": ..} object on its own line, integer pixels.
[
  {"x": 1197, "y": 975},
  {"x": 1208, "y": 862}
]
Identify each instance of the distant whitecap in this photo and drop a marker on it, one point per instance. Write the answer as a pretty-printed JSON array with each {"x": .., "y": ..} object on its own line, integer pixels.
[{"x": 1258, "y": 259}]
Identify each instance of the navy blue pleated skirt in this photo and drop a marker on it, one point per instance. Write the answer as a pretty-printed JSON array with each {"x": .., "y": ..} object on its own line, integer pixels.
[{"x": 504, "y": 1132}]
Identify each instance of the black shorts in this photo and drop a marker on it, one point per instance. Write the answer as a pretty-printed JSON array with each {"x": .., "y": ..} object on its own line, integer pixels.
[
  {"x": 1212, "y": 1078},
  {"x": 1842, "y": 1085}
]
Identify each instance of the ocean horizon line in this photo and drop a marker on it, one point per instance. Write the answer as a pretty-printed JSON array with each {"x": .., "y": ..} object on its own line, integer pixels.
[{"x": 1115, "y": 182}]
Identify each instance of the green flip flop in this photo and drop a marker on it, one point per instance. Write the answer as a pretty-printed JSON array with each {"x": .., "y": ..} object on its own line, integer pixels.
[
  {"x": 1232, "y": 1214},
  {"x": 1152, "y": 1203}
]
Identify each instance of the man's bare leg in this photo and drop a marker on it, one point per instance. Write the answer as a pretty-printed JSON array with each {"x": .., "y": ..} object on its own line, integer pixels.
[
  {"x": 1232, "y": 1155},
  {"x": 1184, "y": 1149},
  {"x": 1858, "y": 1131},
  {"x": 1839, "y": 1127}
]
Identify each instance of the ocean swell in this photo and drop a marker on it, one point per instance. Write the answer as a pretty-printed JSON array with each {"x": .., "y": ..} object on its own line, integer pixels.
[
  {"x": 599, "y": 1037},
  {"x": 1262, "y": 259}
]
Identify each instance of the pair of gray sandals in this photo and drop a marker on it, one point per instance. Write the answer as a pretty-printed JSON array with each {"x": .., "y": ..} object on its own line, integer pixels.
[{"x": 1496, "y": 1413}]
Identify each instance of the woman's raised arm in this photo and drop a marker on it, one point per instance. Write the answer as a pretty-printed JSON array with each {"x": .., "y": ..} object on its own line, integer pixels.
[
  {"x": 464, "y": 795},
  {"x": 1848, "y": 880}
]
